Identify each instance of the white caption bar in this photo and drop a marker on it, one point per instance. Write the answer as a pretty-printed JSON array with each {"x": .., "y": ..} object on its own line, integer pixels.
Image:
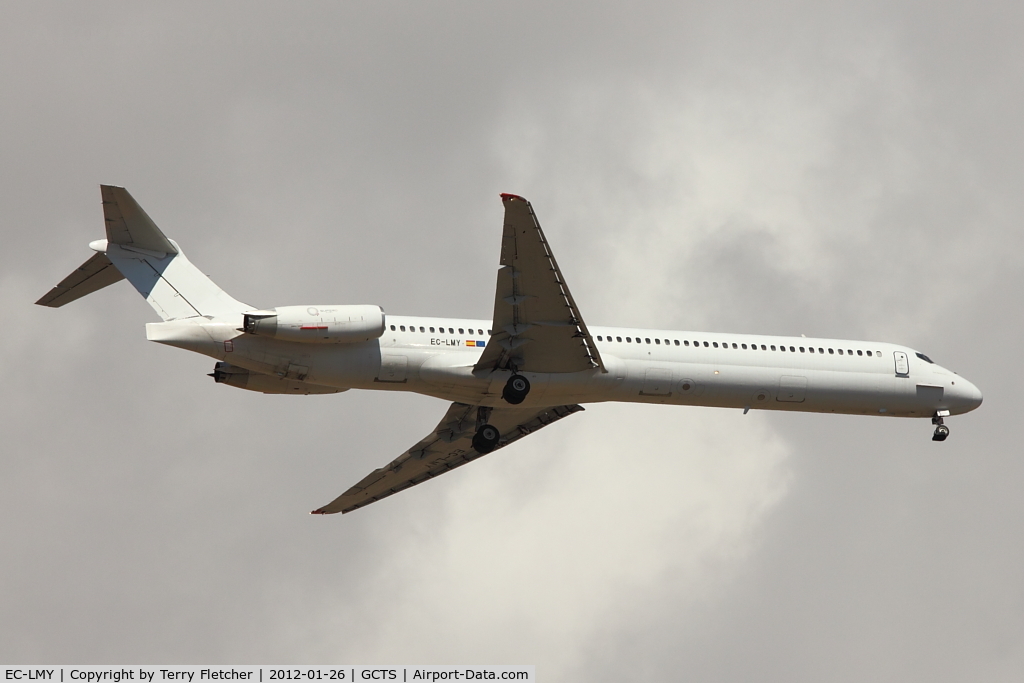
[{"x": 263, "y": 674}]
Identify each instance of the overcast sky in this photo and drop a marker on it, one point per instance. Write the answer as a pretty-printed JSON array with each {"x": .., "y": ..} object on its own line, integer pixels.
[{"x": 847, "y": 170}]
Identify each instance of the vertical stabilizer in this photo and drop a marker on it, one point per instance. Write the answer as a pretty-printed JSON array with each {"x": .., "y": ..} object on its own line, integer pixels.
[
  {"x": 137, "y": 250},
  {"x": 128, "y": 225}
]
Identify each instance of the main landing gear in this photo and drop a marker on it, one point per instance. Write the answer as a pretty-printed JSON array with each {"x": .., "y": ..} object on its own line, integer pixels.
[
  {"x": 941, "y": 430},
  {"x": 486, "y": 438},
  {"x": 516, "y": 389},
  {"x": 487, "y": 435}
]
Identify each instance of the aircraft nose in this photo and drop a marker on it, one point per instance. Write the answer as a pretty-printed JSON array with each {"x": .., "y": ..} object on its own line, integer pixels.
[{"x": 970, "y": 395}]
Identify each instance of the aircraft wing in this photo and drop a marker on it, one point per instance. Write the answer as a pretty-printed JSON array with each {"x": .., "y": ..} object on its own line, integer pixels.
[
  {"x": 536, "y": 327},
  {"x": 444, "y": 449}
]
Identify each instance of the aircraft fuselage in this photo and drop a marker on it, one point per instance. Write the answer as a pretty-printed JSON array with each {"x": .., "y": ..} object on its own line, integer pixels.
[{"x": 643, "y": 366}]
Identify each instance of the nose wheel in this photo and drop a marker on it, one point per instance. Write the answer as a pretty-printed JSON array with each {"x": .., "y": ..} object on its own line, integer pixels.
[
  {"x": 486, "y": 438},
  {"x": 941, "y": 430},
  {"x": 516, "y": 389}
]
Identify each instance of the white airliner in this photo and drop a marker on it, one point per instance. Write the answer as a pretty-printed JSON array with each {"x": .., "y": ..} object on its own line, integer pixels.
[{"x": 533, "y": 363}]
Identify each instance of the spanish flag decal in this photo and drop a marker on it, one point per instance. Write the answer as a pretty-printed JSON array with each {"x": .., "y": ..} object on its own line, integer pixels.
[{"x": 470, "y": 342}]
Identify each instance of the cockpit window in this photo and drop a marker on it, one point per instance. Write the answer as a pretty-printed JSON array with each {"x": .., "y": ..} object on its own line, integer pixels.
[{"x": 925, "y": 358}]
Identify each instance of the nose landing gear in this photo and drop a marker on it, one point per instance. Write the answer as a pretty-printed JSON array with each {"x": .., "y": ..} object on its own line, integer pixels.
[
  {"x": 516, "y": 389},
  {"x": 941, "y": 430}
]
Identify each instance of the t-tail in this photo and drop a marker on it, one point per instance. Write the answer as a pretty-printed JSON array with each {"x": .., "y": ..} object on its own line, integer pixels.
[{"x": 135, "y": 249}]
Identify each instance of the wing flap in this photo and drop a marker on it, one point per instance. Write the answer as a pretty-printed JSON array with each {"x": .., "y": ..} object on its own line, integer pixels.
[
  {"x": 95, "y": 274},
  {"x": 450, "y": 445}
]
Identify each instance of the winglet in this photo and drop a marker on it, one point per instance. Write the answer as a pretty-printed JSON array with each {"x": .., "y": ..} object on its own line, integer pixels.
[{"x": 506, "y": 195}]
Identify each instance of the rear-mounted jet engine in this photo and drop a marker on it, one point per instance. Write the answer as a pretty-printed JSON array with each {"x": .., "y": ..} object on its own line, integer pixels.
[
  {"x": 234, "y": 376},
  {"x": 317, "y": 324}
]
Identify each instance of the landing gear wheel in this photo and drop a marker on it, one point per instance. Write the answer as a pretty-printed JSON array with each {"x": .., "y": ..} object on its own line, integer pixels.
[
  {"x": 941, "y": 430},
  {"x": 486, "y": 439},
  {"x": 516, "y": 389}
]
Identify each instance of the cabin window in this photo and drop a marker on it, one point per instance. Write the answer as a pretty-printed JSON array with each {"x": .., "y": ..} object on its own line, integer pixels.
[
  {"x": 821, "y": 350},
  {"x": 686, "y": 342},
  {"x": 676, "y": 341},
  {"x": 647, "y": 340},
  {"x": 715, "y": 344},
  {"x": 629, "y": 339},
  {"x": 859, "y": 352},
  {"x": 392, "y": 328},
  {"x": 618, "y": 339},
  {"x": 831, "y": 351},
  {"x": 460, "y": 331},
  {"x": 743, "y": 346},
  {"x": 402, "y": 327},
  {"x": 657, "y": 341},
  {"x": 638, "y": 340},
  {"x": 773, "y": 347},
  {"x": 599, "y": 338},
  {"x": 840, "y": 352},
  {"x": 782, "y": 348},
  {"x": 422, "y": 329},
  {"x": 431, "y": 329},
  {"x": 801, "y": 349},
  {"x": 705, "y": 344}
]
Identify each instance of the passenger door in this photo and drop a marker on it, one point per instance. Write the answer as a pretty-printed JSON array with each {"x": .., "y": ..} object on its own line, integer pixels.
[{"x": 902, "y": 364}]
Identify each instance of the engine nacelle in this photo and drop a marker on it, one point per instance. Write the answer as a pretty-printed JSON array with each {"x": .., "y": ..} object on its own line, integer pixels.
[
  {"x": 317, "y": 324},
  {"x": 234, "y": 376}
]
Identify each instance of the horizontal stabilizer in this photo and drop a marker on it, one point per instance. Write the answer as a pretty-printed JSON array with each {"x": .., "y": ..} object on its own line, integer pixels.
[
  {"x": 94, "y": 274},
  {"x": 129, "y": 225}
]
